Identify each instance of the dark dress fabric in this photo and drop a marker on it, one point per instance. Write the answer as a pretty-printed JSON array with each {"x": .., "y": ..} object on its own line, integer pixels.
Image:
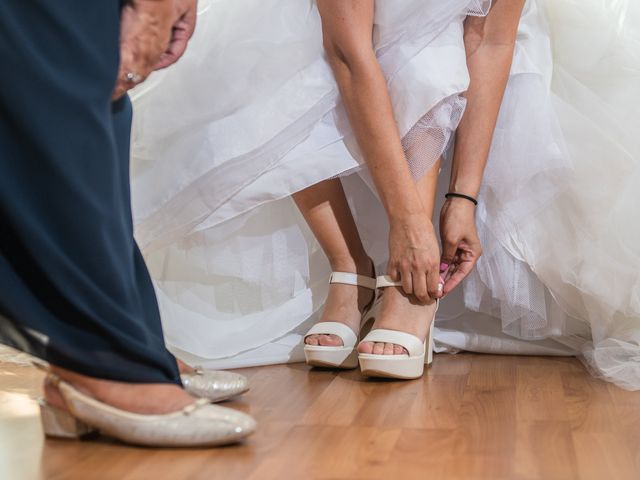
[{"x": 74, "y": 289}]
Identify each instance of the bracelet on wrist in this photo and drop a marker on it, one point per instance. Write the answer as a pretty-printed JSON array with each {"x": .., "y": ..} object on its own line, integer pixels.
[{"x": 461, "y": 195}]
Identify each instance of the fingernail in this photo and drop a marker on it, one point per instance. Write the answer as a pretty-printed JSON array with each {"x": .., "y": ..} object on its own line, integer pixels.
[
  {"x": 440, "y": 287},
  {"x": 444, "y": 267}
]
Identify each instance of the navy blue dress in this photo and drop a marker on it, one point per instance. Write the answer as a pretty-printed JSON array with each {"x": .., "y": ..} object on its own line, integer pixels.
[{"x": 74, "y": 289}]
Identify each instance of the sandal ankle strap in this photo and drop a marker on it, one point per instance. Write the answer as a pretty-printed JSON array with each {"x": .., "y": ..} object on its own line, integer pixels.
[
  {"x": 384, "y": 281},
  {"x": 348, "y": 278}
]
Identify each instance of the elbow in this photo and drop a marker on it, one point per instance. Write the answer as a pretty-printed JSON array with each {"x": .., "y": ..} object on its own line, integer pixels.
[
  {"x": 479, "y": 32},
  {"x": 347, "y": 55}
]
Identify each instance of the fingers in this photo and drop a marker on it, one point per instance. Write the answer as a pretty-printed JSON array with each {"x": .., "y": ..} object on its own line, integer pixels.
[
  {"x": 425, "y": 284},
  {"x": 407, "y": 280},
  {"x": 190, "y": 17},
  {"x": 176, "y": 49},
  {"x": 130, "y": 74},
  {"x": 393, "y": 272},
  {"x": 181, "y": 34},
  {"x": 449, "y": 249},
  {"x": 464, "y": 266},
  {"x": 145, "y": 32},
  {"x": 434, "y": 285},
  {"x": 419, "y": 280},
  {"x": 456, "y": 277}
]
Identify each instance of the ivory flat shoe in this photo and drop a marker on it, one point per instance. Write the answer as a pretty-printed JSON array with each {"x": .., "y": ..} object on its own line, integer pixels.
[
  {"x": 197, "y": 425},
  {"x": 214, "y": 385},
  {"x": 404, "y": 367},
  {"x": 345, "y": 356}
]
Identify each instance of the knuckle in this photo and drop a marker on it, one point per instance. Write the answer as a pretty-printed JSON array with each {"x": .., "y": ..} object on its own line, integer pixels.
[
  {"x": 449, "y": 237},
  {"x": 416, "y": 265}
]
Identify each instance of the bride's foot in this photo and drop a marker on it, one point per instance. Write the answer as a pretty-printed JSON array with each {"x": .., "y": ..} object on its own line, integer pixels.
[
  {"x": 402, "y": 313},
  {"x": 345, "y": 304}
]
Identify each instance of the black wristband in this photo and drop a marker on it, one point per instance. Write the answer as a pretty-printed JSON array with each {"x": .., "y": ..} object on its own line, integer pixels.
[{"x": 461, "y": 195}]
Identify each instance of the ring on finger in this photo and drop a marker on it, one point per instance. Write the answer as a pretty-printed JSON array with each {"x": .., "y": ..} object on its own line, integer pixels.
[{"x": 132, "y": 77}]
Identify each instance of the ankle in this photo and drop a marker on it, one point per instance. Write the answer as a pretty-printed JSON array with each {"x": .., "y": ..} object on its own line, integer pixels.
[
  {"x": 183, "y": 367},
  {"x": 362, "y": 265},
  {"x": 144, "y": 398}
]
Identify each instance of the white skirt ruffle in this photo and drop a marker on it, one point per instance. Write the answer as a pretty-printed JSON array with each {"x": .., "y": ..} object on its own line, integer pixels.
[{"x": 252, "y": 114}]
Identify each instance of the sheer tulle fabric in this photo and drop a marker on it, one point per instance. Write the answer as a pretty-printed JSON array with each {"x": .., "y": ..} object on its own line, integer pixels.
[
  {"x": 250, "y": 91},
  {"x": 248, "y": 117},
  {"x": 426, "y": 141},
  {"x": 563, "y": 259},
  {"x": 252, "y": 115}
]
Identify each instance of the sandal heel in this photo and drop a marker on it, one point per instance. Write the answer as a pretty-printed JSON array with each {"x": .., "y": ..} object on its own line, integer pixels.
[
  {"x": 61, "y": 424},
  {"x": 429, "y": 346}
]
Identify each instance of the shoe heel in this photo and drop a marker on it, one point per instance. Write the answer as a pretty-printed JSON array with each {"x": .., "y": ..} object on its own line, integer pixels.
[
  {"x": 61, "y": 424},
  {"x": 429, "y": 356}
]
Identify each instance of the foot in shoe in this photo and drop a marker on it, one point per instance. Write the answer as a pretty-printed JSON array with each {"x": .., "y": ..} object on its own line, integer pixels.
[
  {"x": 151, "y": 415},
  {"x": 345, "y": 304},
  {"x": 143, "y": 398},
  {"x": 403, "y": 313}
]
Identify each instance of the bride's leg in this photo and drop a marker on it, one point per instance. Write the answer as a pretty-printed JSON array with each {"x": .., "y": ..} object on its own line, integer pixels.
[
  {"x": 325, "y": 208},
  {"x": 400, "y": 311}
]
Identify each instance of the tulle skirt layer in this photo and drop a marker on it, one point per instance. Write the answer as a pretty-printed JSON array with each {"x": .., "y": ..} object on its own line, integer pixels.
[
  {"x": 563, "y": 260},
  {"x": 254, "y": 92},
  {"x": 223, "y": 140},
  {"x": 250, "y": 116}
]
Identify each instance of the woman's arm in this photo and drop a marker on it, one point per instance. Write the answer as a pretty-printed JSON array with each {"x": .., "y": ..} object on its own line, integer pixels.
[
  {"x": 347, "y": 31},
  {"x": 489, "y": 42}
]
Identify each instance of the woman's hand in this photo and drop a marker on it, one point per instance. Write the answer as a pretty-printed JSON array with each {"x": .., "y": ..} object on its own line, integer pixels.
[
  {"x": 145, "y": 31},
  {"x": 186, "y": 13},
  {"x": 461, "y": 247},
  {"x": 153, "y": 34},
  {"x": 414, "y": 256}
]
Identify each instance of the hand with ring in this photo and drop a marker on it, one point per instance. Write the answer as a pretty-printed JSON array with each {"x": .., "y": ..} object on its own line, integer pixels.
[{"x": 153, "y": 33}]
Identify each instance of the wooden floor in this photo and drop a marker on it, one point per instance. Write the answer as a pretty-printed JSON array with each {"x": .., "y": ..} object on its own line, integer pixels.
[{"x": 471, "y": 417}]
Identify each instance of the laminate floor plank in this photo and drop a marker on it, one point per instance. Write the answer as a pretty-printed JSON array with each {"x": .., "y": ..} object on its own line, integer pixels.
[{"x": 471, "y": 417}]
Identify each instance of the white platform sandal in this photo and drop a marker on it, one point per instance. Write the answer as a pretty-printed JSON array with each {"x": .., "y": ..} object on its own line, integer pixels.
[
  {"x": 406, "y": 366},
  {"x": 346, "y": 356}
]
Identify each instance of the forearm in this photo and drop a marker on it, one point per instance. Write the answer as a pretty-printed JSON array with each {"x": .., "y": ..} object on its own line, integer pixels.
[
  {"x": 366, "y": 99},
  {"x": 347, "y": 31},
  {"x": 490, "y": 44}
]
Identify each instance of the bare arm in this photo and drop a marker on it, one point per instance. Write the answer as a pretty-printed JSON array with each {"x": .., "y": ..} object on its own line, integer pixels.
[
  {"x": 489, "y": 43},
  {"x": 347, "y": 32}
]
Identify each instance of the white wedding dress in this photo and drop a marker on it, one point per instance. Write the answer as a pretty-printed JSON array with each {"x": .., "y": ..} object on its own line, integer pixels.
[{"x": 252, "y": 114}]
